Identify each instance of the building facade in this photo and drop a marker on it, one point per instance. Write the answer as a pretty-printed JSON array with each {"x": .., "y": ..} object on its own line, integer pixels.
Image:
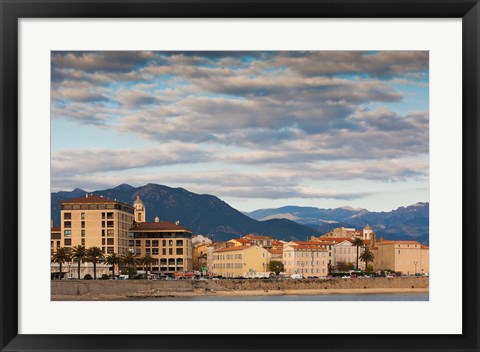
[
  {"x": 240, "y": 261},
  {"x": 96, "y": 221},
  {"x": 407, "y": 257},
  {"x": 305, "y": 259},
  {"x": 169, "y": 244}
]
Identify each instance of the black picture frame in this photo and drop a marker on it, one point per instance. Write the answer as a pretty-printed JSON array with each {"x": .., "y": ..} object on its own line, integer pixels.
[{"x": 12, "y": 11}]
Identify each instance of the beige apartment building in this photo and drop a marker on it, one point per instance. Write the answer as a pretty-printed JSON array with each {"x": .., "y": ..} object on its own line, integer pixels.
[
  {"x": 55, "y": 239},
  {"x": 305, "y": 258},
  {"x": 240, "y": 261},
  {"x": 95, "y": 221},
  {"x": 169, "y": 244},
  {"x": 407, "y": 257}
]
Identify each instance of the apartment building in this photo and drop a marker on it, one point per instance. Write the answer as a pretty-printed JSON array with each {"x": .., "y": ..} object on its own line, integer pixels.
[
  {"x": 407, "y": 257},
  {"x": 305, "y": 258},
  {"x": 169, "y": 244},
  {"x": 96, "y": 221},
  {"x": 240, "y": 261}
]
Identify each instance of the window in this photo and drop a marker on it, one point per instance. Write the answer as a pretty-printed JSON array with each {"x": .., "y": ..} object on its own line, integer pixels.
[
  {"x": 164, "y": 243},
  {"x": 110, "y": 241},
  {"x": 147, "y": 250},
  {"x": 67, "y": 216},
  {"x": 170, "y": 251},
  {"x": 147, "y": 243},
  {"x": 154, "y": 251},
  {"x": 83, "y": 233},
  {"x": 67, "y": 233},
  {"x": 83, "y": 216},
  {"x": 109, "y": 223},
  {"x": 164, "y": 251},
  {"x": 179, "y": 251},
  {"x": 110, "y": 233},
  {"x": 138, "y": 243},
  {"x": 110, "y": 216},
  {"x": 399, "y": 251},
  {"x": 138, "y": 251},
  {"x": 83, "y": 242},
  {"x": 103, "y": 233},
  {"x": 170, "y": 243},
  {"x": 83, "y": 224},
  {"x": 67, "y": 224},
  {"x": 103, "y": 223},
  {"x": 179, "y": 243},
  {"x": 67, "y": 242},
  {"x": 103, "y": 216},
  {"x": 103, "y": 241},
  {"x": 131, "y": 243},
  {"x": 110, "y": 249},
  {"x": 155, "y": 243}
]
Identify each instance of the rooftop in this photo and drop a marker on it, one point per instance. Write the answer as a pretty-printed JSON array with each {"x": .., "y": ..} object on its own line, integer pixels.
[
  {"x": 93, "y": 199},
  {"x": 157, "y": 226}
]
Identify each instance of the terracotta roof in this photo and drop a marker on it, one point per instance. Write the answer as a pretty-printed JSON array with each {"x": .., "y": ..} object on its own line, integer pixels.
[
  {"x": 241, "y": 240},
  {"x": 423, "y": 246},
  {"x": 312, "y": 243},
  {"x": 257, "y": 237},
  {"x": 229, "y": 249},
  {"x": 337, "y": 240},
  {"x": 157, "y": 226},
  {"x": 276, "y": 251},
  {"x": 56, "y": 229},
  {"x": 397, "y": 242},
  {"x": 302, "y": 246},
  {"x": 93, "y": 199}
]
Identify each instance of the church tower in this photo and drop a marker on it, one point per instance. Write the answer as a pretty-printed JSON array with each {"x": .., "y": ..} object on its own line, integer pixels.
[
  {"x": 140, "y": 211},
  {"x": 367, "y": 232}
]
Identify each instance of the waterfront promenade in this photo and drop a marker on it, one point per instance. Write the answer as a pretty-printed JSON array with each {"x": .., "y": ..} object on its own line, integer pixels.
[{"x": 117, "y": 290}]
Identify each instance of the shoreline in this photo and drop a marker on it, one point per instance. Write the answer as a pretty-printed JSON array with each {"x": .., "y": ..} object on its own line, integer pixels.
[{"x": 227, "y": 293}]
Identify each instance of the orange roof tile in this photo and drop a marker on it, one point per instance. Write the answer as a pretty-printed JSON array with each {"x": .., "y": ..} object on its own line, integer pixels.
[{"x": 230, "y": 249}]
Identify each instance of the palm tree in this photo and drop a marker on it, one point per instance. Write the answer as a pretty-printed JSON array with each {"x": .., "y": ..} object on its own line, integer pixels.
[
  {"x": 93, "y": 255},
  {"x": 148, "y": 260},
  {"x": 78, "y": 253},
  {"x": 113, "y": 259},
  {"x": 61, "y": 256},
  {"x": 357, "y": 242},
  {"x": 366, "y": 257},
  {"x": 130, "y": 259}
]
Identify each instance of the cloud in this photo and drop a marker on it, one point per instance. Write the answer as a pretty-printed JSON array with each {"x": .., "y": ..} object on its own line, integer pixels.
[
  {"x": 87, "y": 161},
  {"x": 135, "y": 99}
]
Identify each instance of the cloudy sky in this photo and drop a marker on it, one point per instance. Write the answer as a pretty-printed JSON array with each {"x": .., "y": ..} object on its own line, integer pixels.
[{"x": 257, "y": 129}]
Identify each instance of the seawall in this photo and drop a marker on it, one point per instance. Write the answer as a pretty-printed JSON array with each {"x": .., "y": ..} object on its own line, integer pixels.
[{"x": 80, "y": 288}]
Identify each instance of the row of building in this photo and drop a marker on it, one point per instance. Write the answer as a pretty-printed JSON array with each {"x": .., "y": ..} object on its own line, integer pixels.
[{"x": 119, "y": 228}]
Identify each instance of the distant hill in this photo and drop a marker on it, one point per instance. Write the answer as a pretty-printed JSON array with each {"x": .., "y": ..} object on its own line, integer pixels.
[
  {"x": 411, "y": 222},
  {"x": 202, "y": 213}
]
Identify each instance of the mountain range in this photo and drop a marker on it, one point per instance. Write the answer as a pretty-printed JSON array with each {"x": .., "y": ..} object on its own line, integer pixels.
[
  {"x": 201, "y": 213},
  {"x": 208, "y": 215},
  {"x": 410, "y": 222}
]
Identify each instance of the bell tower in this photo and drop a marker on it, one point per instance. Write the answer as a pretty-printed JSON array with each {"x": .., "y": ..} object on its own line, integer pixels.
[{"x": 140, "y": 211}]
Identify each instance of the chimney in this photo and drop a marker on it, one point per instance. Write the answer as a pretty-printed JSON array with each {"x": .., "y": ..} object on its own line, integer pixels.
[{"x": 157, "y": 219}]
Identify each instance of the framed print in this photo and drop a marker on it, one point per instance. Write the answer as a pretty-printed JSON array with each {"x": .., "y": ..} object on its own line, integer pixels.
[{"x": 239, "y": 176}]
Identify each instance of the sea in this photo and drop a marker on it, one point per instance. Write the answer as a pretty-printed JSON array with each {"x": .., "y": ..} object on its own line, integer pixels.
[{"x": 326, "y": 297}]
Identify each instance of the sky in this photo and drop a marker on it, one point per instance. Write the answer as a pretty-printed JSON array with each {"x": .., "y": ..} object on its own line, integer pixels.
[{"x": 257, "y": 129}]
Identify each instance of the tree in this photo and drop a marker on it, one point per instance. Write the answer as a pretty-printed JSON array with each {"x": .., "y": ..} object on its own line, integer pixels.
[
  {"x": 276, "y": 266},
  {"x": 342, "y": 266},
  {"x": 61, "y": 256},
  {"x": 93, "y": 255},
  {"x": 78, "y": 253},
  {"x": 357, "y": 242},
  {"x": 131, "y": 260},
  {"x": 366, "y": 257},
  {"x": 148, "y": 261},
  {"x": 113, "y": 259}
]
